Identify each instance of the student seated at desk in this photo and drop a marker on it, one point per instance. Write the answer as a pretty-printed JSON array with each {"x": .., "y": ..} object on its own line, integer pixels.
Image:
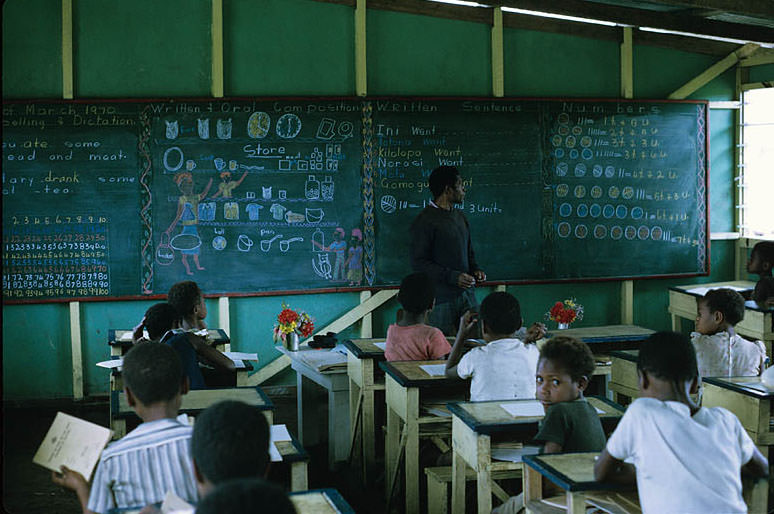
[
  {"x": 761, "y": 263},
  {"x": 153, "y": 458},
  {"x": 719, "y": 350},
  {"x": 159, "y": 320},
  {"x": 503, "y": 369},
  {"x": 687, "y": 459},
  {"x": 188, "y": 299},
  {"x": 246, "y": 495},
  {"x": 411, "y": 339},
  {"x": 763, "y": 295}
]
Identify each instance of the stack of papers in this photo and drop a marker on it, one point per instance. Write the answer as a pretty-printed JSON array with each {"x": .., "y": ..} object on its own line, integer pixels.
[
  {"x": 74, "y": 443},
  {"x": 278, "y": 433},
  {"x": 322, "y": 360}
]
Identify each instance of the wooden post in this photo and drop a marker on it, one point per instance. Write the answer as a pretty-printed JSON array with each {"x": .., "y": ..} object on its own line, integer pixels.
[
  {"x": 713, "y": 71},
  {"x": 224, "y": 318},
  {"x": 627, "y": 68},
  {"x": 67, "y": 49},
  {"x": 366, "y": 325},
  {"x": 217, "y": 49},
  {"x": 77, "y": 355},
  {"x": 361, "y": 83},
  {"x": 627, "y": 302},
  {"x": 498, "y": 71}
]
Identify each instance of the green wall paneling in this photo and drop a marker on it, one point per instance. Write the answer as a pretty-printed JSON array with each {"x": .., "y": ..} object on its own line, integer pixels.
[
  {"x": 32, "y": 49},
  {"x": 547, "y": 64},
  {"x": 722, "y": 186},
  {"x": 659, "y": 71},
  {"x": 411, "y": 54},
  {"x": 142, "y": 48},
  {"x": 37, "y": 360},
  {"x": 762, "y": 73},
  {"x": 288, "y": 47}
]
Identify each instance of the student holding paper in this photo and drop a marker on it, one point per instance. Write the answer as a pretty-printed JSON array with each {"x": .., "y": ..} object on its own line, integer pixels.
[{"x": 153, "y": 458}]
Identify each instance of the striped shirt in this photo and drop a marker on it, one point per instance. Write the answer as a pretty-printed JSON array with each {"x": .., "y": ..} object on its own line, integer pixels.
[{"x": 140, "y": 468}]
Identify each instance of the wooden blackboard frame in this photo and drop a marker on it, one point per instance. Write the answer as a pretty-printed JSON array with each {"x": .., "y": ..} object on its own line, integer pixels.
[{"x": 141, "y": 101}]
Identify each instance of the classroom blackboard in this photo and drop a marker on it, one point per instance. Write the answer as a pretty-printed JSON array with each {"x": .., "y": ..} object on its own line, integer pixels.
[{"x": 124, "y": 198}]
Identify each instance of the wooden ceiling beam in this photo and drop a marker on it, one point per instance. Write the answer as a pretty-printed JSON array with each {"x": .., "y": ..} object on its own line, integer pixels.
[
  {"x": 753, "y": 8},
  {"x": 645, "y": 18}
]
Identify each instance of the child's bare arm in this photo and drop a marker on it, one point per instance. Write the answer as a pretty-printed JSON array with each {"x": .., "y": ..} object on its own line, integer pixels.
[
  {"x": 552, "y": 447},
  {"x": 76, "y": 482},
  {"x": 210, "y": 354},
  {"x": 757, "y": 466},
  {"x": 467, "y": 322},
  {"x": 609, "y": 469}
]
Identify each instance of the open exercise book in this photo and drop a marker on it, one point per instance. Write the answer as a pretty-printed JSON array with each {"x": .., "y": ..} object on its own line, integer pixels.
[{"x": 74, "y": 443}]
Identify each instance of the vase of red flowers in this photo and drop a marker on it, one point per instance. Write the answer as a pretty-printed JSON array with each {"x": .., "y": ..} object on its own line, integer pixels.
[
  {"x": 291, "y": 326},
  {"x": 565, "y": 313}
]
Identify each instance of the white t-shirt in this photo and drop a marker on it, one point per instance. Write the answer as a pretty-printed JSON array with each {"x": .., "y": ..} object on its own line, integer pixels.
[
  {"x": 685, "y": 464},
  {"x": 501, "y": 370},
  {"x": 727, "y": 355}
]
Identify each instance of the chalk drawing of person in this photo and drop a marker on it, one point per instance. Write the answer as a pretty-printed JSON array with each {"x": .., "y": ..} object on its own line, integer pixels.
[
  {"x": 354, "y": 262},
  {"x": 227, "y": 186},
  {"x": 188, "y": 241},
  {"x": 339, "y": 248}
]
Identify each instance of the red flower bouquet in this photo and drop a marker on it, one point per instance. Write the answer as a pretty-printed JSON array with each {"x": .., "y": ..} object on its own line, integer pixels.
[
  {"x": 565, "y": 312},
  {"x": 289, "y": 321}
]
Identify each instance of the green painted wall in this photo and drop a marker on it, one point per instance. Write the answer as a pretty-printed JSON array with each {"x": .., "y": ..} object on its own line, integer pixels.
[{"x": 301, "y": 47}]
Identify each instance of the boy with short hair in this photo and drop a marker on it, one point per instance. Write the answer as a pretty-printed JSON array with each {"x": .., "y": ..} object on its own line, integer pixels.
[
  {"x": 504, "y": 368},
  {"x": 563, "y": 373},
  {"x": 230, "y": 440},
  {"x": 687, "y": 459},
  {"x": 153, "y": 458},
  {"x": 719, "y": 350},
  {"x": 761, "y": 263},
  {"x": 411, "y": 338},
  {"x": 187, "y": 299},
  {"x": 246, "y": 495}
]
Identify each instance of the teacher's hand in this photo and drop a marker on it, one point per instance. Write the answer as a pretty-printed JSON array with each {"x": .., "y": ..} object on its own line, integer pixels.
[
  {"x": 465, "y": 281},
  {"x": 479, "y": 275}
]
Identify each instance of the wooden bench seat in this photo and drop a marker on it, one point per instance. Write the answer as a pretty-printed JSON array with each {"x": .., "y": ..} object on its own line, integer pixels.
[{"x": 439, "y": 480}]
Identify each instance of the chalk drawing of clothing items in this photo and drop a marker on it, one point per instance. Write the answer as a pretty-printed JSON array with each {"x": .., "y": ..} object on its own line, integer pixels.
[
  {"x": 207, "y": 211},
  {"x": 231, "y": 210},
  {"x": 254, "y": 211},
  {"x": 278, "y": 211}
]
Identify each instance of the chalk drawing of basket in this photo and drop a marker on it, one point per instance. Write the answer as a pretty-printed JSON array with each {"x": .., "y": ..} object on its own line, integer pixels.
[{"x": 164, "y": 254}]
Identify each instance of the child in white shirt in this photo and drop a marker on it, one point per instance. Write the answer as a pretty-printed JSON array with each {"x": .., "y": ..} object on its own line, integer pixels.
[
  {"x": 687, "y": 459},
  {"x": 503, "y": 369},
  {"x": 719, "y": 350}
]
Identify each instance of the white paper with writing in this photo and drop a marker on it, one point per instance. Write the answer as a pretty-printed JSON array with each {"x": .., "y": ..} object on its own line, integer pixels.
[{"x": 74, "y": 443}]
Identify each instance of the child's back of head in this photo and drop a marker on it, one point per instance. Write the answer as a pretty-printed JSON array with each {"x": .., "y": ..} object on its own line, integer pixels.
[
  {"x": 246, "y": 495},
  {"x": 153, "y": 373},
  {"x": 668, "y": 356},
  {"x": 725, "y": 301},
  {"x": 501, "y": 314},
  {"x": 230, "y": 440},
  {"x": 160, "y": 318},
  {"x": 417, "y": 293},
  {"x": 184, "y": 297}
]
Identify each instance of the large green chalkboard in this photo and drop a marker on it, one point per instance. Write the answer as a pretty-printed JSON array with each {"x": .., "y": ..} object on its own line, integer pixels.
[{"x": 244, "y": 195}]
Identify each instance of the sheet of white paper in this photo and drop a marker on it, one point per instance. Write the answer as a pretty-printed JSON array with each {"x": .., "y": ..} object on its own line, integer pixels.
[
  {"x": 434, "y": 370},
  {"x": 125, "y": 337},
  {"x": 383, "y": 346},
  {"x": 280, "y": 433},
  {"x": 274, "y": 453},
  {"x": 436, "y": 411},
  {"x": 241, "y": 356},
  {"x": 173, "y": 504},
  {"x": 703, "y": 290},
  {"x": 72, "y": 442},
  {"x": 599, "y": 411},
  {"x": 514, "y": 454},
  {"x": 110, "y": 364},
  {"x": 339, "y": 348},
  {"x": 238, "y": 363},
  {"x": 530, "y": 408}
]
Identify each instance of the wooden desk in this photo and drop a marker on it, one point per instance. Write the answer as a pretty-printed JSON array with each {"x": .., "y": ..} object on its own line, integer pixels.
[
  {"x": 407, "y": 388},
  {"x": 623, "y": 374},
  {"x": 336, "y": 383},
  {"x": 757, "y": 323},
  {"x": 294, "y": 454},
  {"x": 242, "y": 376},
  {"x": 320, "y": 501},
  {"x": 606, "y": 338},
  {"x": 121, "y": 340},
  {"x": 572, "y": 472},
  {"x": 193, "y": 403},
  {"x": 749, "y": 400},
  {"x": 364, "y": 380},
  {"x": 473, "y": 426}
]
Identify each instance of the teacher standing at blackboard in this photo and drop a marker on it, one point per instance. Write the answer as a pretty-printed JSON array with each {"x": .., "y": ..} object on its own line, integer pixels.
[{"x": 441, "y": 246}]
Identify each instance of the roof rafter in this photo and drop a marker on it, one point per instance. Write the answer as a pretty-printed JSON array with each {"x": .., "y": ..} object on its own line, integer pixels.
[{"x": 754, "y": 8}]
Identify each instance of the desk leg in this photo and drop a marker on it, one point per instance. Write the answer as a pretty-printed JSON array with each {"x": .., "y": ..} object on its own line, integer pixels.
[
  {"x": 484, "y": 487},
  {"x": 355, "y": 424},
  {"x": 533, "y": 485},
  {"x": 300, "y": 408},
  {"x": 576, "y": 503},
  {"x": 368, "y": 432},
  {"x": 676, "y": 323},
  {"x": 390, "y": 448},
  {"x": 458, "y": 484},
  {"x": 299, "y": 476},
  {"x": 412, "y": 466},
  {"x": 338, "y": 426}
]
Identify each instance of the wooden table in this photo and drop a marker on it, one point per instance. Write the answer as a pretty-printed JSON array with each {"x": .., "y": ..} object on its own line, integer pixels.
[
  {"x": 294, "y": 454},
  {"x": 572, "y": 472},
  {"x": 365, "y": 378},
  {"x": 320, "y": 501},
  {"x": 623, "y": 375},
  {"x": 758, "y": 323},
  {"x": 749, "y": 400},
  {"x": 473, "y": 426},
  {"x": 336, "y": 383},
  {"x": 606, "y": 338},
  {"x": 121, "y": 340},
  {"x": 408, "y": 387},
  {"x": 193, "y": 403}
]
